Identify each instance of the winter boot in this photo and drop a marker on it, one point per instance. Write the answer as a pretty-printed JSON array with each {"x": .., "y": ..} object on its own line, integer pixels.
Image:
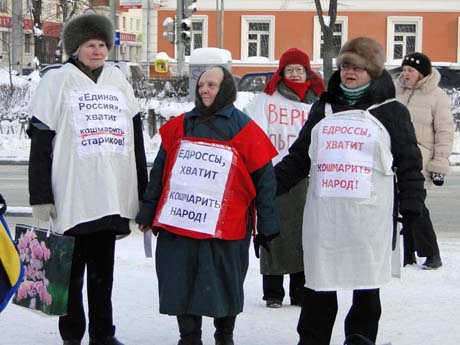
[
  {"x": 432, "y": 262},
  {"x": 110, "y": 340},
  {"x": 224, "y": 330},
  {"x": 409, "y": 259},
  {"x": 71, "y": 342},
  {"x": 358, "y": 339},
  {"x": 190, "y": 329}
]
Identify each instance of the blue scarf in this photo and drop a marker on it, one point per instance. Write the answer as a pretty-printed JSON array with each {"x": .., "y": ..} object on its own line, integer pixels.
[{"x": 352, "y": 96}]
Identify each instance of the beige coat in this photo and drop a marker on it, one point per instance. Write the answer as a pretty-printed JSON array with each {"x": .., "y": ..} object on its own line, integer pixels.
[{"x": 430, "y": 112}]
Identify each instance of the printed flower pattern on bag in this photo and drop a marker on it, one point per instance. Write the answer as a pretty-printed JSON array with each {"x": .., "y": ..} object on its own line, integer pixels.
[{"x": 33, "y": 255}]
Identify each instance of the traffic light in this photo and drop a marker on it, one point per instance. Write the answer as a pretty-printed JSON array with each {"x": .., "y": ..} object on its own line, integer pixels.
[
  {"x": 185, "y": 30},
  {"x": 169, "y": 26},
  {"x": 189, "y": 8}
]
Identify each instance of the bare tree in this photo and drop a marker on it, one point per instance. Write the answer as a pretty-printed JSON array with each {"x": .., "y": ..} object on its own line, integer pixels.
[
  {"x": 327, "y": 28},
  {"x": 35, "y": 9},
  {"x": 67, "y": 9}
]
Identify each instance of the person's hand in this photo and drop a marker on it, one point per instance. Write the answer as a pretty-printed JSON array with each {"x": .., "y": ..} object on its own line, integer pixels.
[
  {"x": 438, "y": 178},
  {"x": 264, "y": 241},
  {"x": 144, "y": 227},
  {"x": 44, "y": 212},
  {"x": 2, "y": 205}
]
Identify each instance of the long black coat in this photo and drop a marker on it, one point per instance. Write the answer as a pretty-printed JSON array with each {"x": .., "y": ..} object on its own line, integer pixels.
[
  {"x": 206, "y": 276},
  {"x": 407, "y": 159}
]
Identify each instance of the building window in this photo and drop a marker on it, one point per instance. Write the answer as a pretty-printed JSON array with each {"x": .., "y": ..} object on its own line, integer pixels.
[
  {"x": 198, "y": 34},
  {"x": 257, "y": 36},
  {"x": 3, "y": 5},
  {"x": 404, "y": 36},
  {"x": 138, "y": 25},
  {"x": 131, "y": 24},
  {"x": 197, "y": 37},
  {"x": 27, "y": 43},
  {"x": 124, "y": 23},
  {"x": 340, "y": 36},
  {"x": 458, "y": 39}
]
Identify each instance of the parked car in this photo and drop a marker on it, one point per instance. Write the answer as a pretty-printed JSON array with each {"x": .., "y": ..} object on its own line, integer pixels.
[
  {"x": 47, "y": 68},
  {"x": 254, "y": 81},
  {"x": 136, "y": 77}
]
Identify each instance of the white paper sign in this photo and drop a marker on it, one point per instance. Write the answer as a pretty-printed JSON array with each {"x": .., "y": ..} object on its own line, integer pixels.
[
  {"x": 100, "y": 122},
  {"x": 197, "y": 186},
  {"x": 345, "y": 158}
]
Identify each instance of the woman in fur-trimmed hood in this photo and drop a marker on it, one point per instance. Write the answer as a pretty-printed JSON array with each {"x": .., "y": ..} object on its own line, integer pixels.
[
  {"x": 418, "y": 89},
  {"x": 431, "y": 114},
  {"x": 348, "y": 226}
]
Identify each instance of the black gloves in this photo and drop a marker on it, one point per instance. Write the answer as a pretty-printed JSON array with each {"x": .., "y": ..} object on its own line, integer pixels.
[
  {"x": 262, "y": 240},
  {"x": 438, "y": 178},
  {"x": 2, "y": 205}
]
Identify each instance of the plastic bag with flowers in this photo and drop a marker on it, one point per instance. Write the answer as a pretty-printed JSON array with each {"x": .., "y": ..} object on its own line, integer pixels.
[{"x": 47, "y": 260}]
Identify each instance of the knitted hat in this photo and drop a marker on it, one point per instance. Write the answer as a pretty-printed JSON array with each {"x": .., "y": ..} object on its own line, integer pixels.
[
  {"x": 365, "y": 53},
  {"x": 86, "y": 27},
  {"x": 290, "y": 57},
  {"x": 294, "y": 56},
  {"x": 419, "y": 61}
]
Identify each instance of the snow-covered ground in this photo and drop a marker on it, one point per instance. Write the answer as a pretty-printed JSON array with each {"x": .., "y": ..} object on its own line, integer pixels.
[{"x": 422, "y": 308}]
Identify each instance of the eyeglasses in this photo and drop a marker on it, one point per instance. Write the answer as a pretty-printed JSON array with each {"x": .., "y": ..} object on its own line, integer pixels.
[
  {"x": 346, "y": 68},
  {"x": 292, "y": 70}
]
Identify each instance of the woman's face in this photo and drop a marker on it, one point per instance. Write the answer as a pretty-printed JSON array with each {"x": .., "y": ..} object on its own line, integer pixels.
[
  {"x": 353, "y": 77},
  {"x": 209, "y": 84},
  {"x": 410, "y": 76},
  {"x": 92, "y": 53},
  {"x": 295, "y": 73}
]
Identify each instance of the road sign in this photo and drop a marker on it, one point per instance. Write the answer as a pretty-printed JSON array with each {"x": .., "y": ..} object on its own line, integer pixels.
[{"x": 117, "y": 38}]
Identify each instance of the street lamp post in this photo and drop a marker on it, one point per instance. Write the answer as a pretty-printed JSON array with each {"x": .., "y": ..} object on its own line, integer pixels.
[
  {"x": 220, "y": 23},
  {"x": 180, "y": 45},
  {"x": 113, "y": 15}
]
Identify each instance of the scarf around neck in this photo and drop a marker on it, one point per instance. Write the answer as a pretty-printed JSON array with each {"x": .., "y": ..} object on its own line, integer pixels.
[
  {"x": 352, "y": 96},
  {"x": 300, "y": 89}
]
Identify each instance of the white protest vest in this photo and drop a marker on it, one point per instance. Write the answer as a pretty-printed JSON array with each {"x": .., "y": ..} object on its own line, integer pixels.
[
  {"x": 94, "y": 168},
  {"x": 348, "y": 219},
  {"x": 280, "y": 118}
]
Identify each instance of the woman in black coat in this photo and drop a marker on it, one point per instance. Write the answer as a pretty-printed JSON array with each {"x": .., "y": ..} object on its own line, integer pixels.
[{"x": 341, "y": 250}]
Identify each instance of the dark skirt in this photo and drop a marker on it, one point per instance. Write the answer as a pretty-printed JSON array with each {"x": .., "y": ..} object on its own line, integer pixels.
[{"x": 201, "y": 277}]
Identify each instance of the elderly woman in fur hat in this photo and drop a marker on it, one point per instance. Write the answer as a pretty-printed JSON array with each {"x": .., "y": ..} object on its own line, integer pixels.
[
  {"x": 417, "y": 88},
  {"x": 357, "y": 141},
  {"x": 281, "y": 111},
  {"x": 213, "y": 167},
  {"x": 87, "y": 168}
]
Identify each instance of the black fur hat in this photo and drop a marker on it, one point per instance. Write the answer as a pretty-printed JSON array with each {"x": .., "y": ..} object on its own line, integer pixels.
[
  {"x": 86, "y": 27},
  {"x": 363, "y": 52},
  {"x": 419, "y": 61}
]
